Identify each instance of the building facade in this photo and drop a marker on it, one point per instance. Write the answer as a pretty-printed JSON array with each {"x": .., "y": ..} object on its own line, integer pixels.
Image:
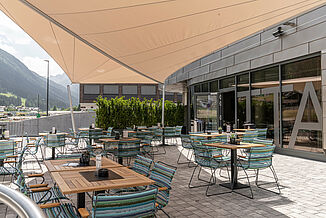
[
  {"x": 276, "y": 81},
  {"x": 89, "y": 93}
]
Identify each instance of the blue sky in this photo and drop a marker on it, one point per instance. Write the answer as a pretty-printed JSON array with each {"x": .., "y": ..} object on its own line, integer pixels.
[{"x": 16, "y": 42}]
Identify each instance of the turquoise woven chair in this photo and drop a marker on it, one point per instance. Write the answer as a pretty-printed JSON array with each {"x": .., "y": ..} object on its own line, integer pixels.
[
  {"x": 169, "y": 133},
  {"x": 263, "y": 141},
  {"x": 39, "y": 193},
  {"x": 211, "y": 158},
  {"x": 8, "y": 158},
  {"x": 95, "y": 135},
  {"x": 32, "y": 149},
  {"x": 158, "y": 133},
  {"x": 186, "y": 143},
  {"x": 65, "y": 210},
  {"x": 249, "y": 136},
  {"x": 178, "y": 130},
  {"x": 128, "y": 149},
  {"x": 136, "y": 204},
  {"x": 162, "y": 174},
  {"x": 109, "y": 132},
  {"x": 146, "y": 146},
  {"x": 262, "y": 133},
  {"x": 259, "y": 158}
]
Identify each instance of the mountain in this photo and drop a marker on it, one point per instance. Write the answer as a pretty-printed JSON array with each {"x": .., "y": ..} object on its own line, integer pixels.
[
  {"x": 64, "y": 80},
  {"x": 17, "y": 80}
]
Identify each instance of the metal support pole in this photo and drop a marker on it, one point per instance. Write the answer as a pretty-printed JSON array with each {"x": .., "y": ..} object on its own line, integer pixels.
[
  {"x": 163, "y": 102},
  {"x": 47, "y": 88},
  {"x": 71, "y": 111}
]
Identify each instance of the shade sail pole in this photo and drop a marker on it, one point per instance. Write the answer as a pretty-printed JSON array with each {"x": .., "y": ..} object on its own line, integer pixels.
[
  {"x": 163, "y": 104},
  {"x": 71, "y": 111}
]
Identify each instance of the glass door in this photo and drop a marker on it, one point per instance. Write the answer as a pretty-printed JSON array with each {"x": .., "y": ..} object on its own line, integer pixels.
[{"x": 206, "y": 111}]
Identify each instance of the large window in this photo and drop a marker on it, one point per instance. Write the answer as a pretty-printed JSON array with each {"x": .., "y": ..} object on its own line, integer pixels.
[
  {"x": 227, "y": 82},
  {"x": 299, "y": 105},
  {"x": 92, "y": 89},
  {"x": 243, "y": 82}
]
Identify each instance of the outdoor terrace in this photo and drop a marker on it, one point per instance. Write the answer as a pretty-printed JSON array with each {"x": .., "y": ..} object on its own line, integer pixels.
[{"x": 302, "y": 186}]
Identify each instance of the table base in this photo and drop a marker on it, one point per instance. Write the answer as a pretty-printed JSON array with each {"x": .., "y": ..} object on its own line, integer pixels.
[
  {"x": 236, "y": 186},
  {"x": 81, "y": 200}
]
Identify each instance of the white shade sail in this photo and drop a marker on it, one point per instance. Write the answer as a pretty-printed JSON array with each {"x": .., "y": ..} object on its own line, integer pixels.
[{"x": 142, "y": 41}]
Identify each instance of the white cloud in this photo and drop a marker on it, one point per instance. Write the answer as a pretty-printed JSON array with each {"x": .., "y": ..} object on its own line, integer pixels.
[{"x": 39, "y": 66}]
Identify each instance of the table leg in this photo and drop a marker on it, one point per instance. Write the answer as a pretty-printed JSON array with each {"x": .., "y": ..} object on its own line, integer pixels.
[
  {"x": 53, "y": 153},
  {"x": 234, "y": 173},
  {"x": 81, "y": 200},
  {"x": 234, "y": 168},
  {"x": 120, "y": 160}
]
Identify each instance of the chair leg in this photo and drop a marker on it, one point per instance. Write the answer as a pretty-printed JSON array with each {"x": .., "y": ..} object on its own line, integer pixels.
[
  {"x": 275, "y": 178},
  {"x": 165, "y": 212},
  {"x": 197, "y": 186},
  {"x": 186, "y": 157},
  {"x": 213, "y": 176}
]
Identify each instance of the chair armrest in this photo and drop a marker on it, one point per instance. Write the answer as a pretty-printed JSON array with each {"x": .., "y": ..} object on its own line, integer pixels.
[
  {"x": 163, "y": 188},
  {"x": 30, "y": 143},
  {"x": 40, "y": 189},
  {"x": 83, "y": 212},
  {"x": 49, "y": 205},
  {"x": 217, "y": 156},
  {"x": 31, "y": 146},
  {"x": 242, "y": 156},
  {"x": 38, "y": 185},
  {"x": 9, "y": 161},
  {"x": 12, "y": 156},
  {"x": 36, "y": 175}
]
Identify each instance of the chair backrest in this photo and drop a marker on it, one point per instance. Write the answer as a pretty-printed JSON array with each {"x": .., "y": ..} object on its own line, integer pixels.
[
  {"x": 162, "y": 174},
  {"x": 95, "y": 133},
  {"x": 178, "y": 130},
  {"x": 222, "y": 138},
  {"x": 260, "y": 157},
  {"x": 56, "y": 140},
  {"x": 109, "y": 131},
  {"x": 263, "y": 141},
  {"x": 20, "y": 182},
  {"x": 262, "y": 133},
  {"x": 169, "y": 131},
  {"x": 158, "y": 132},
  {"x": 249, "y": 136},
  {"x": 138, "y": 204},
  {"x": 204, "y": 154},
  {"x": 128, "y": 148},
  {"x": 186, "y": 141},
  {"x": 142, "y": 165},
  {"x": 7, "y": 148}
]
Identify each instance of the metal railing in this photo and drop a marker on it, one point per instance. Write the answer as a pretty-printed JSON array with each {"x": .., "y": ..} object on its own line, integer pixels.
[{"x": 21, "y": 204}]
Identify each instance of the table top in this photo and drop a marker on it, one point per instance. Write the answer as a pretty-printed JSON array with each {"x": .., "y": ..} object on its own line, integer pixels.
[
  {"x": 47, "y": 133},
  {"x": 215, "y": 134},
  {"x": 244, "y": 129},
  {"x": 73, "y": 182},
  {"x": 230, "y": 146},
  {"x": 87, "y": 129},
  {"x": 58, "y": 165},
  {"x": 117, "y": 140}
]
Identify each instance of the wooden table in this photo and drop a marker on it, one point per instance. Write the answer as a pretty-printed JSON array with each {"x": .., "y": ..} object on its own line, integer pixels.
[
  {"x": 212, "y": 135},
  {"x": 71, "y": 182},
  {"x": 120, "y": 159},
  {"x": 234, "y": 170},
  {"x": 59, "y": 165},
  {"x": 244, "y": 130}
]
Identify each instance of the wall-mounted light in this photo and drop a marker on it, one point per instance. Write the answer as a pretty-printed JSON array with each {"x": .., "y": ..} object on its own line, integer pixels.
[{"x": 278, "y": 33}]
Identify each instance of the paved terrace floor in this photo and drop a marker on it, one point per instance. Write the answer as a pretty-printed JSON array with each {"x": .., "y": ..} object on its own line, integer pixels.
[{"x": 302, "y": 184}]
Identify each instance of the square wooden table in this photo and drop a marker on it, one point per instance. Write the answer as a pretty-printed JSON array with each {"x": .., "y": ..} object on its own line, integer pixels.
[
  {"x": 234, "y": 170},
  {"x": 71, "y": 182},
  {"x": 60, "y": 164}
]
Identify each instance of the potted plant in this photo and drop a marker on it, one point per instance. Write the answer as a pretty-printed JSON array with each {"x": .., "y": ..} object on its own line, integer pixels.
[{"x": 219, "y": 130}]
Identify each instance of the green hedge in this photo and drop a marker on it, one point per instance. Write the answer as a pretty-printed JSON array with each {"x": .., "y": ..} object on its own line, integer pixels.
[{"x": 120, "y": 113}]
